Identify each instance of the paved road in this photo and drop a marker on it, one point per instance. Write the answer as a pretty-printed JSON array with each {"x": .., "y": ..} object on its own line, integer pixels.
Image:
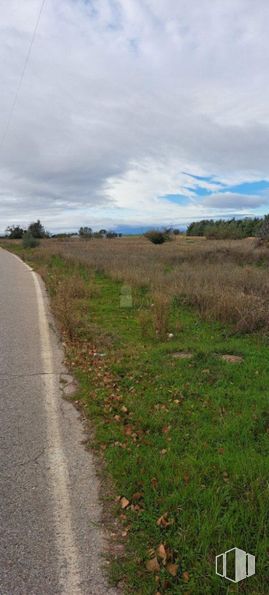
[{"x": 51, "y": 540}]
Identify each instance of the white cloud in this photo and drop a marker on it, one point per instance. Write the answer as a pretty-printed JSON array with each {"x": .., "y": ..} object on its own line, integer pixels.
[{"x": 122, "y": 96}]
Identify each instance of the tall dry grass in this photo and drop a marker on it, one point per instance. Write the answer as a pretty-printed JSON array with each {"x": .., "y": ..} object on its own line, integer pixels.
[{"x": 225, "y": 280}]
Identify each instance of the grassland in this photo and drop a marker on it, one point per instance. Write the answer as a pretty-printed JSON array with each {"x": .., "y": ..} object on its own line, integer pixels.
[{"x": 184, "y": 434}]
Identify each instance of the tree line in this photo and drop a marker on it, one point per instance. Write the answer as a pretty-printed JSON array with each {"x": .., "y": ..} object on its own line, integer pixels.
[
  {"x": 230, "y": 229},
  {"x": 36, "y": 230}
]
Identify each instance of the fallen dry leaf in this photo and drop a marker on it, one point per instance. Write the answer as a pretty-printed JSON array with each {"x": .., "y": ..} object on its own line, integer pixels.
[
  {"x": 163, "y": 521},
  {"x": 166, "y": 429},
  {"x": 172, "y": 569},
  {"x": 186, "y": 577},
  {"x": 137, "y": 496},
  {"x": 161, "y": 552},
  {"x": 128, "y": 430},
  {"x": 153, "y": 565},
  {"x": 124, "y": 502}
]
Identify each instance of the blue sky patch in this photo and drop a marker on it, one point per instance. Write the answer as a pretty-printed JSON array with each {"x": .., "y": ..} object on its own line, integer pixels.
[
  {"x": 249, "y": 187},
  {"x": 178, "y": 199},
  {"x": 199, "y": 191}
]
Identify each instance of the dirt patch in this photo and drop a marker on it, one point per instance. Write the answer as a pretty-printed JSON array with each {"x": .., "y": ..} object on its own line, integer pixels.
[
  {"x": 232, "y": 359},
  {"x": 182, "y": 355}
]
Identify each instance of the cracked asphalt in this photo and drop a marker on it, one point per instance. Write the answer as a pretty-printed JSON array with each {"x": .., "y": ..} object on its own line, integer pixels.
[{"x": 52, "y": 539}]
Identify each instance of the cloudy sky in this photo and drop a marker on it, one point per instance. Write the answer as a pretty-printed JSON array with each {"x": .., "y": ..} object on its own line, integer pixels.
[{"x": 133, "y": 112}]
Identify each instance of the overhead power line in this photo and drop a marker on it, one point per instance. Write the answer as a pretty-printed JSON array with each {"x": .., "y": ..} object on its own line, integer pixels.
[{"x": 26, "y": 62}]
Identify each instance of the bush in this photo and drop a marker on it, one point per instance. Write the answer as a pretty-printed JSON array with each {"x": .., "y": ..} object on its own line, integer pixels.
[
  {"x": 28, "y": 241},
  {"x": 157, "y": 237}
]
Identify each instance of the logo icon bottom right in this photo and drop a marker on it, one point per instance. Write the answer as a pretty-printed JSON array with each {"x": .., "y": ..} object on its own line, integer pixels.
[{"x": 235, "y": 565}]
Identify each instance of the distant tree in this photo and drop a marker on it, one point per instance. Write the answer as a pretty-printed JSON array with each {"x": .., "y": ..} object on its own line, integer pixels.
[
  {"x": 157, "y": 237},
  {"x": 103, "y": 232},
  {"x": 263, "y": 231},
  {"x": 37, "y": 230},
  {"x": 111, "y": 234},
  {"x": 85, "y": 232},
  {"x": 176, "y": 232},
  {"x": 15, "y": 232}
]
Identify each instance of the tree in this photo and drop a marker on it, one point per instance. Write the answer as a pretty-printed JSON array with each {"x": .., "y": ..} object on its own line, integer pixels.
[
  {"x": 85, "y": 232},
  {"x": 263, "y": 231},
  {"x": 37, "y": 230},
  {"x": 15, "y": 232}
]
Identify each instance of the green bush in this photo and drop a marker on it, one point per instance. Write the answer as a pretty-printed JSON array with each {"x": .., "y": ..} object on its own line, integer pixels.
[
  {"x": 28, "y": 241},
  {"x": 157, "y": 237}
]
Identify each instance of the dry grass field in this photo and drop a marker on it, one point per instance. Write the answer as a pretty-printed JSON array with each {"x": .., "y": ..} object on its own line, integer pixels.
[{"x": 225, "y": 280}]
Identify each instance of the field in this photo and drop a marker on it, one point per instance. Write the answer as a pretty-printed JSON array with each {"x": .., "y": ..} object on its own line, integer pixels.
[{"x": 170, "y": 347}]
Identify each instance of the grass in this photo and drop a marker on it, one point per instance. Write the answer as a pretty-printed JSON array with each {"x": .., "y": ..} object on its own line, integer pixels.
[{"x": 185, "y": 440}]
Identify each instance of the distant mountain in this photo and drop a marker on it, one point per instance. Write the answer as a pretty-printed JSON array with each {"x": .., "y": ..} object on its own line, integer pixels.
[{"x": 133, "y": 230}]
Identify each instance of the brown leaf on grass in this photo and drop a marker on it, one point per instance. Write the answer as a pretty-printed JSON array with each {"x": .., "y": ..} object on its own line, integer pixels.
[
  {"x": 153, "y": 565},
  {"x": 161, "y": 552},
  {"x": 186, "y": 577},
  {"x": 163, "y": 521},
  {"x": 154, "y": 482},
  {"x": 137, "y": 496},
  {"x": 128, "y": 430},
  {"x": 172, "y": 569},
  {"x": 117, "y": 417},
  {"x": 166, "y": 429},
  {"x": 186, "y": 478},
  {"x": 136, "y": 507},
  {"x": 124, "y": 409},
  {"x": 166, "y": 585},
  {"x": 124, "y": 502}
]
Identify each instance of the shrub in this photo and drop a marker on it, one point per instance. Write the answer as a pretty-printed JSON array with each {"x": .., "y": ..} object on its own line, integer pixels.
[
  {"x": 28, "y": 241},
  {"x": 157, "y": 237},
  {"x": 111, "y": 234}
]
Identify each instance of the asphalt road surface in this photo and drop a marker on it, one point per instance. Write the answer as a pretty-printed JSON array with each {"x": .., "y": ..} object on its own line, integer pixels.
[{"x": 51, "y": 537}]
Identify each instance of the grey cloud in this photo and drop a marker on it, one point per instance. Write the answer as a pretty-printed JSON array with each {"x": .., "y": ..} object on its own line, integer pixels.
[{"x": 232, "y": 200}]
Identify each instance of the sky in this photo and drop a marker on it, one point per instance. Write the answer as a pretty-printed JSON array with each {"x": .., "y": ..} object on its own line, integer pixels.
[{"x": 133, "y": 112}]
